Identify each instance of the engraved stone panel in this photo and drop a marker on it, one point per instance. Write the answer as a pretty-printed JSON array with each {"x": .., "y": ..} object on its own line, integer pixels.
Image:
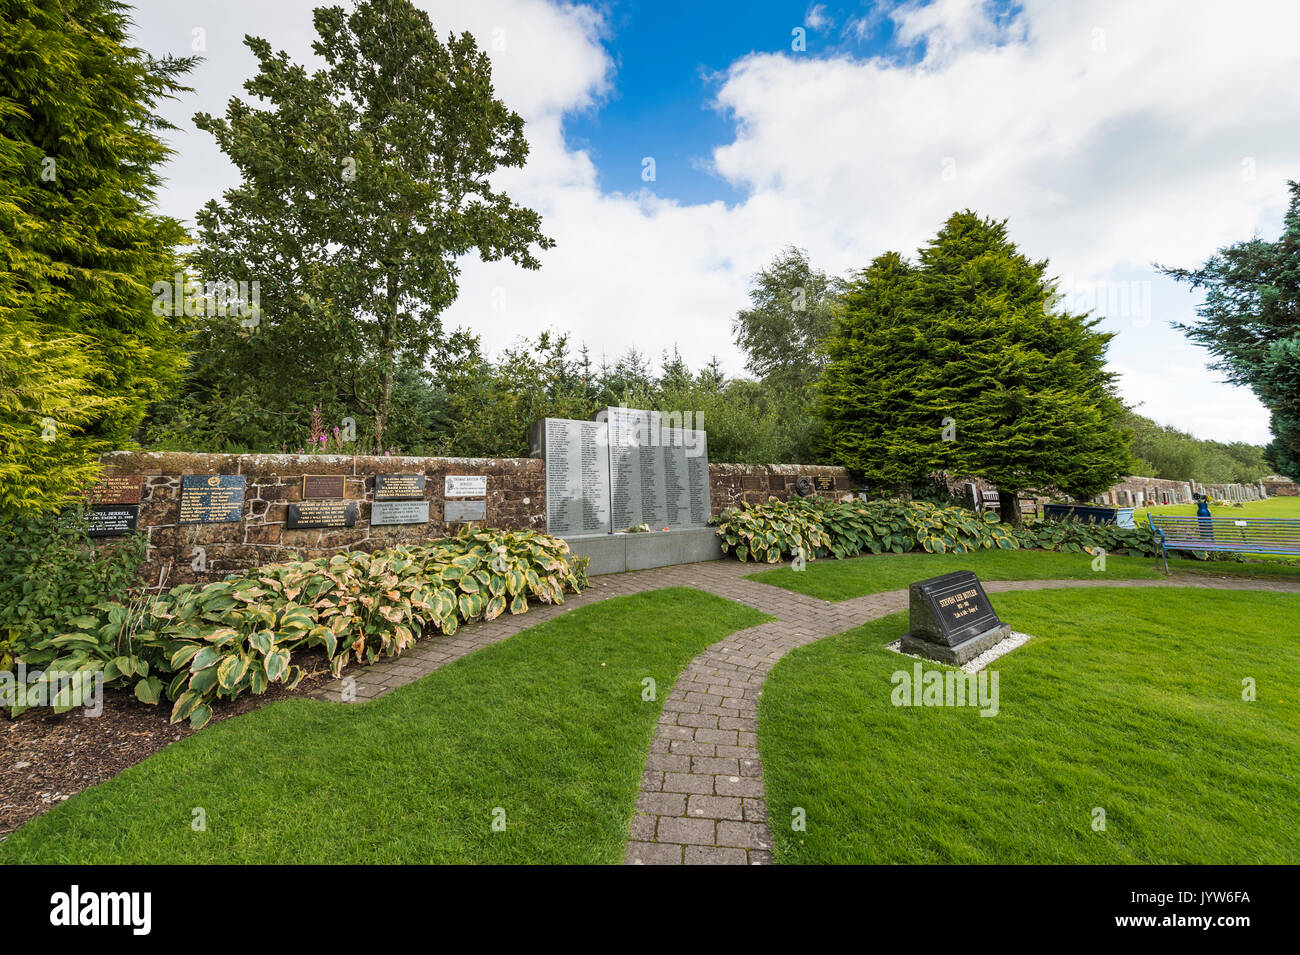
[
  {"x": 458, "y": 512},
  {"x": 577, "y": 477},
  {"x": 399, "y": 512},
  {"x": 211, "y": 498},
  {"x": 112, "y": 520}
]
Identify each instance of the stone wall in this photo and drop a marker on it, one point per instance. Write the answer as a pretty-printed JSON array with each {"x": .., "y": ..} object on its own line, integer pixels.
[
  {"x": 516, "y": 499},
  {"x": 734, "y": 484},
  {"x": 1282, "y": 488}
]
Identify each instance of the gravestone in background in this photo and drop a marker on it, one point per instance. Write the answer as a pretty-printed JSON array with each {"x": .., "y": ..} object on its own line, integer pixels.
[{"x": 950, "y": 619}]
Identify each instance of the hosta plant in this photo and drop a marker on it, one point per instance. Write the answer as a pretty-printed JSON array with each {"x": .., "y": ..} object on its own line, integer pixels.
[{"x": 200, "y": 643}]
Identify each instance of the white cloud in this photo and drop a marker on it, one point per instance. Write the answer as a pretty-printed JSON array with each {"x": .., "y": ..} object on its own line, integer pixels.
[
  {"x": 817, "y": 18},
  {"x": 1110, "y": 134}
]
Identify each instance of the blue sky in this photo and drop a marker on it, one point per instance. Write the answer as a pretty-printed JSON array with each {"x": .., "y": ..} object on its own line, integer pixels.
[{"x": 1110, "y": 133}]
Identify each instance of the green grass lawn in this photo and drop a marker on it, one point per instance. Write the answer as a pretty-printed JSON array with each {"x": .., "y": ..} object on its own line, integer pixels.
[
  {"x": 1273, "y": 507},
  {"x": 1126, "y": 700},
  {"x": 830, "y": 579},
  {"x": 549, "y": 726}
]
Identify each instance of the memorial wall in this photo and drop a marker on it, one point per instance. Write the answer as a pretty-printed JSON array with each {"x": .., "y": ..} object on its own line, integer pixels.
[
  {"x": 627, "y": 468},
  {"x": 206, "y": 515}
]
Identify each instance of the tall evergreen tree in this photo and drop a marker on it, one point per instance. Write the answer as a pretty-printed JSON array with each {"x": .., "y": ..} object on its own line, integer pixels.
[
  {"x": 80, "y": 243},
  {"x": 363, "y": 183},
  {"x": 1250, "y": 323},
  {"x": 962, "y": 363}
]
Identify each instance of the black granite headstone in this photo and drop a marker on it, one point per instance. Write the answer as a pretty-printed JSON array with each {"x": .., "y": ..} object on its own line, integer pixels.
[{"x": 951, "y": 619}]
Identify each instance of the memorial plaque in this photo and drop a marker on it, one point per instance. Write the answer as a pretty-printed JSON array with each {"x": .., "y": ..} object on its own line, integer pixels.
[
  {"x": 118, "y": 489},
  {"x": 211, "y": 499},
  {"x": 658, "y": 475},
  {"x": 112, "y": 520},
  {"x": 465, "y": 485},
  {"x": 399, "y": 512},
  {"x": 317, "y": 487},
  {"x": 399, "y": 487},
  {"x": 577, "y": 477},
  {"x": 951, "y": 619},
  {"x": 458, "y": 512},
  {"x": 315, "y": 513},
  {"x": 822, "y": 483}
]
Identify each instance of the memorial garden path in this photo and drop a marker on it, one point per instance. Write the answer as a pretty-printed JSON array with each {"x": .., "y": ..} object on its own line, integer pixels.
[{"x": 702, "y": 799}]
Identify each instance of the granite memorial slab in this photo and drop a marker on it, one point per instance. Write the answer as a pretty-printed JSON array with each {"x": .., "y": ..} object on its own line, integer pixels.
[
  {"x": 318, "y": 513},
  {"x": 112, "y": 520},
  {"x": 399, "y": 512},
  {"x": 459, "y": 512},
  {"x": 577, "y": 475},
  {"x": 950, "y": 619},
  {"x": 211, "y": 498},
  {"x": 399, "y": 487}
]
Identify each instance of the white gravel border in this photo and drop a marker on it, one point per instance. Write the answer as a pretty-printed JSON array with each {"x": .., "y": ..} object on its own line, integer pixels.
[{"x": 975, "y": 664}]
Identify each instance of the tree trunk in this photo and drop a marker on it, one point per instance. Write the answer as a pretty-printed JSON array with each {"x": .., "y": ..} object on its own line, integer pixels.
[
  {"x": 387, "y": 333},
  {"x": 1009, "y": 507}
]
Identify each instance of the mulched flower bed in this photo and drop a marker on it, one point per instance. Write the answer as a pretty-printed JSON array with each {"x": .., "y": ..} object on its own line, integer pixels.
[{"x": 46, "y": 758}]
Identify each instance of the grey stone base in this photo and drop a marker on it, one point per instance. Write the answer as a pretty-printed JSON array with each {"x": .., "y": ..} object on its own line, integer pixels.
[
  {"x": 960, "y": 654},
  {"x": 615, "y": 553}
]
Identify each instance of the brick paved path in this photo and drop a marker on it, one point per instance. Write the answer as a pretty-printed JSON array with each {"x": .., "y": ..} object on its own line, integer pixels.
[{"x": 702, "y": 799}]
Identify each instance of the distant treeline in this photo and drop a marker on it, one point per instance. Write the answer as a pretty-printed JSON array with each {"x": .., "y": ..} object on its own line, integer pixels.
[{"x": 1165, "y": 452}]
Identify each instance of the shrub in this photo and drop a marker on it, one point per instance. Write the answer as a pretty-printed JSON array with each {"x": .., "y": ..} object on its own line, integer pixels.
[
  {"x": 198, "y": 642},
  {"x": 1075, "y": 536},
  {"x": 50, "y": 570},
  {"x": 817, "y": 527}
]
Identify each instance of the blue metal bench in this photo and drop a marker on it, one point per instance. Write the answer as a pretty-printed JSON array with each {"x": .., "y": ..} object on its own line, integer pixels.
[{"x": 1242, "y": 535}]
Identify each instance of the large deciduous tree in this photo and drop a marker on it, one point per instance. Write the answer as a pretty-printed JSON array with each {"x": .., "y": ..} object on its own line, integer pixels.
[
  {"x": 1250, "y": 323},
  {"x": 791, "y": 311},
  {"x": 362, "y": 184},
  {"x": 83, "y": 354},
  {"x": 962, "y": 363}
]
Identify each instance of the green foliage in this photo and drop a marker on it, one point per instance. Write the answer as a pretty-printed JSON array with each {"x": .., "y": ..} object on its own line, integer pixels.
[
  {"x": 47, "y": 403},
  {"x": 1079, "y": 536},
  {"x": 50, "y": 572},
  {"x": 815, "y": 527},
  {"x": 962, "y": 363},
  {"x": 203, "y": 642},
  {"x": 783, "y": 333},
  {"x": 364, "y": 183},
  {"x": 1165, "y": 452},
  {"x": 1250, "y": 323},
  {"x": 79, "y": 243}
]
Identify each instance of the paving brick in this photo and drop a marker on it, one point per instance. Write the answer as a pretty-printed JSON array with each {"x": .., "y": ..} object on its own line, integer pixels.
[
  {"x": 652, "y": 853},
  {"x": 688, "y": 783},
  {"x": 687, "y": 831},
  {"x": 746, "y": 835},
  {"x": 662, "y": 804},
  {"x": 714, "y": 807},
  {"x": 711, "y": 855}
]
